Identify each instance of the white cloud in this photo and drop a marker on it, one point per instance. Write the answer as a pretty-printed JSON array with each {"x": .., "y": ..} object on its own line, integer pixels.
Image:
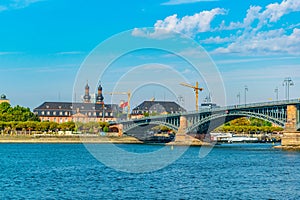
[
  {"x": 189, "y": 25},
  {"x": 268, "y": 42},
  {"x": 3, "y": 53},
  {"x": 275, "y": 11},
  {"x": 251, "y": 60},
  {"x": 16, "y": 4},
  {"x": 177, "y": 2},
  {"x": 70, "y": 53},
  {"x": 255, "y": 33},
  {"x": 251, "y": 16},
  {"x": 271, "y": 14},
  {"x": 218, "y": 40},
  {"x": 253, "y": 37}
]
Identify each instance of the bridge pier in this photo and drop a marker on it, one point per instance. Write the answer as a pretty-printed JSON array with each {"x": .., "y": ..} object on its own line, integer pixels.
[
  {"x": 291, "y": 137},
  {"x": 181, "y": 134},
  {"x": 182, "y": 138}
]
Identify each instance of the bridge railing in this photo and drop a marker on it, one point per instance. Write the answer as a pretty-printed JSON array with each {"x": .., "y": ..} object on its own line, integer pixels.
[
  {"x": 219, "y": 109},
  {"x": 251, "y": 105}
]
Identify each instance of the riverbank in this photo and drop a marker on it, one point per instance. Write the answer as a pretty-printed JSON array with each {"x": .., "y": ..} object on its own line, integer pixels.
[
  {"x": 288, "y": 148},
  {"x": 77, "y": 139},
  {"x": 67, "y": 139}
]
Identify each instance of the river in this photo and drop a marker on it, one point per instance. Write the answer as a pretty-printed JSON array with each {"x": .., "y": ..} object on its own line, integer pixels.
[{"x": 69, "y": 171}]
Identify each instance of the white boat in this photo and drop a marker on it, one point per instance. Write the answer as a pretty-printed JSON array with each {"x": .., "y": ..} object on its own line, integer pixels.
[
  {"x": 230, "y": 138},
  {"x": 241, "y": 139}
]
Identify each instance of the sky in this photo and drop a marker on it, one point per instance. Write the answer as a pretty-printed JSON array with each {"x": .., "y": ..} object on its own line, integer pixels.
[{"x": 45, "y": 43}]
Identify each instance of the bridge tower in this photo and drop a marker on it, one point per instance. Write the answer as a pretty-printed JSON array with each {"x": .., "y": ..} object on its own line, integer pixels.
[{"x": 291, "y": 137}]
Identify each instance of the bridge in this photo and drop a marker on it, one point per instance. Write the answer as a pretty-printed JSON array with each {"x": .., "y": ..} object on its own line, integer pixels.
[{"x": 281, "y": 113}]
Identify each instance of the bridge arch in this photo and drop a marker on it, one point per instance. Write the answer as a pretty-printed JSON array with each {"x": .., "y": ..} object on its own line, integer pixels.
[
  {"x": 144, "y": 123},
  {"x": 220, "y": 119}
]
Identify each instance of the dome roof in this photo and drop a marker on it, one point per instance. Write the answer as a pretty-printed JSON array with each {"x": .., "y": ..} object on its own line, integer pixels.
[{"x": 3, "y": 96}]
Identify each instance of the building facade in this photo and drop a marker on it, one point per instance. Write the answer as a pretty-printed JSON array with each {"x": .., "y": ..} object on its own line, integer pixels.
[
  {"x": 86, "y": 111},
  {"x": 156, "y": 108}
]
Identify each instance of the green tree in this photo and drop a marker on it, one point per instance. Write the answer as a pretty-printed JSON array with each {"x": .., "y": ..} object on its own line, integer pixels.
[
  {"x": 67, "y": 126},
  {"x": 17, "y": 113},
  {"x": 105, "y": 129},
  {"x": 243, "y": 121}
]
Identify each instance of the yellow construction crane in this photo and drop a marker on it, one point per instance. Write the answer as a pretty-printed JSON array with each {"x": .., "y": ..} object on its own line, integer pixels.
[
  {"x": 196, "y": 89},
  {"x": 128, "y": 100}
]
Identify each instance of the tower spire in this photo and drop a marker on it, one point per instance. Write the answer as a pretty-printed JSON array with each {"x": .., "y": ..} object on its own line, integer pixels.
[
  {"x": 87, "y": 97},
  {"x": 99, "y": 96}
]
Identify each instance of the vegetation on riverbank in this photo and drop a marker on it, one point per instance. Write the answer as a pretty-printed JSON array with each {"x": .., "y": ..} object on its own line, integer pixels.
[
  {"x": 249, "y": 125},
  {"x": 20, "y": 120}
]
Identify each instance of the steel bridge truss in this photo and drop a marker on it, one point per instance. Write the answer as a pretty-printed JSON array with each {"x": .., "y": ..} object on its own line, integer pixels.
[{"x": 209, "y": 119}]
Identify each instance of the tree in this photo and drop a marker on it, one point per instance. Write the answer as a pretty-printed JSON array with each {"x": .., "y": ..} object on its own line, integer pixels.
[
  {"x": 243, "y": 121},
  {"x": 67, "y": 126},
  {"x": 17, "y": 113},
  {"x": 4, "y": 107},
  {"x": 105, "y": 129}
]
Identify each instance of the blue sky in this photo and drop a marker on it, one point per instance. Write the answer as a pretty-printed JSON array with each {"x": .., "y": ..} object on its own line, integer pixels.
[{"x": 44, "y": 42}]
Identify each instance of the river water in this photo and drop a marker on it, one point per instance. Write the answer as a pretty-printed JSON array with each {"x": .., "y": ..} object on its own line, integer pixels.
[{"x": 69, "y": 171}]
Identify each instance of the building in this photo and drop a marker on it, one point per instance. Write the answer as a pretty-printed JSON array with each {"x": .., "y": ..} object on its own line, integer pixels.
[
  {"x": 78, "y": 112},
  {"x": 4, "y": 99},
  {"x": 156, "y": 108}
]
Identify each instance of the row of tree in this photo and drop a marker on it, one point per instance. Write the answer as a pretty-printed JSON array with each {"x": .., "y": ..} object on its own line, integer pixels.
[
  {"x": 249, "y": 125},
  {"x": 30, "y": 127}
]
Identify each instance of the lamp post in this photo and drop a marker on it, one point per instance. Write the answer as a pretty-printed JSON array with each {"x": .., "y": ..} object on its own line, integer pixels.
[
  {"x": 287, "y": 83},
  {"x": 239, "y": 98},
  {"x": 246, "y": 90},
  {"x": 276, "y": 91}
]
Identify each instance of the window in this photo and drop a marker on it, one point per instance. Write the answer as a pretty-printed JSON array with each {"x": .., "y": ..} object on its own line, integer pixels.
[
  {"x": 106, "y": 114},
  {"x": 95, "y": 114},
  {"x": 48, "y": 112},
  {"x": 43, "y": 113},
  {"x": 111, "y": 114},
  {"x": 47, "y": 106},
  {"x": 66, "y": 113},
  {"x": 59, "y": 107},
  {"x": 60, "y": 113},
  {"x": 54, "y": 113}
]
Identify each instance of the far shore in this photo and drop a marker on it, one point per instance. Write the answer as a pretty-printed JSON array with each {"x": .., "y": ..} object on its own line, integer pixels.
[
  {"x": 84, "y": 139},
  {"x": 76, "y": 139}
]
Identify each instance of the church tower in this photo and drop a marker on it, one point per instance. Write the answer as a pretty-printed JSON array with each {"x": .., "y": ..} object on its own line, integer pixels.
[
  {"x": 87, "y": 97},
  {"x": 99, "y": 96}
]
